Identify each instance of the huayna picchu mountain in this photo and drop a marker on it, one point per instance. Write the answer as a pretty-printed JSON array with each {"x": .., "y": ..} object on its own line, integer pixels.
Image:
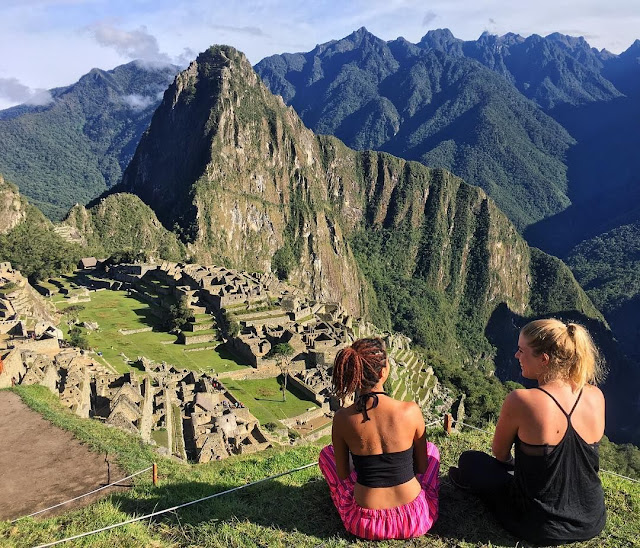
[{"x": 234, "y": 171}]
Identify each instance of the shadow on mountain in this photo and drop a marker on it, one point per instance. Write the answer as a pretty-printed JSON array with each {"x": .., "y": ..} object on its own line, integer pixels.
[
  {"x": 602, "y": 172},
  {"x": 305, "y": 509},
  {"x": 620, "y": 387}
]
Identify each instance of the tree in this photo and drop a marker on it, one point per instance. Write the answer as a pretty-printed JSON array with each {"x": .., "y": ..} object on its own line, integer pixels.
[
  {"x": 229, "y": 324},
  {"x": 179, "y": 314},
  {"x": 78, "y": 339},
  {"x": 282, "y": 352}
]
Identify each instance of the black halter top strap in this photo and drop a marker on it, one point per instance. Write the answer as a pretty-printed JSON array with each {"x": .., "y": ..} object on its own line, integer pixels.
[
  {"x": 361, "y": 402},
  {"x": 568, "y": 415}
]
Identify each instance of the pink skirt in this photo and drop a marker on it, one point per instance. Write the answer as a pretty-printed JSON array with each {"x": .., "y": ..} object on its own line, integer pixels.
[{"x": 407, "y": 521}]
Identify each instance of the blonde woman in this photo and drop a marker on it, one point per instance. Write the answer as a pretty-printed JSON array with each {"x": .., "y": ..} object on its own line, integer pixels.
[{"x": 550, "y": 493}]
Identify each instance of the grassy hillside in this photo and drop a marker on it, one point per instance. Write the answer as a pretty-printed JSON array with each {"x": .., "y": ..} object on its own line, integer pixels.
[{"x": 294, "y": 510}]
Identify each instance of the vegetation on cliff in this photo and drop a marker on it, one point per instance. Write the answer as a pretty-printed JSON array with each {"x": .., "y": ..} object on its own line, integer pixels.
[
  {"x": 28, "y": 240},
  {"x": 122, "y": 223}
]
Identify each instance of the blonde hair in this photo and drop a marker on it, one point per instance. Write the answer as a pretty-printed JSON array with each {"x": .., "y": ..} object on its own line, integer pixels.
[{"x": 572, "y": 354}]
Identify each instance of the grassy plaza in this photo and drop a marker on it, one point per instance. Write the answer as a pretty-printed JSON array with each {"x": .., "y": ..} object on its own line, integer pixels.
[
  {"x": 263, "y": 397},
  {"x": 115, "y": 310}
]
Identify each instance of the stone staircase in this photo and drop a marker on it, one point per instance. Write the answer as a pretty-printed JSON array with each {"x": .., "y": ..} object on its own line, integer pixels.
[{"x": 202, "y": 330}]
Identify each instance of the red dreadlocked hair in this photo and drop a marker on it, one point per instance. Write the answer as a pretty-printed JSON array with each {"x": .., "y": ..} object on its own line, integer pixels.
[{"x": 357, "y": 367}]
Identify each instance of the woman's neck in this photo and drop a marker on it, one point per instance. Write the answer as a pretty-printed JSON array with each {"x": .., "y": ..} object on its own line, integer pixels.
[
  {"x": 377, "y": 388},
  {"x": 558, "y": 383}
]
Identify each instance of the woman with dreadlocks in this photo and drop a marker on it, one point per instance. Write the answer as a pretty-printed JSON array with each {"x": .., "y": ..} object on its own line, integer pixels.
[{"x": 392, "y": 490}]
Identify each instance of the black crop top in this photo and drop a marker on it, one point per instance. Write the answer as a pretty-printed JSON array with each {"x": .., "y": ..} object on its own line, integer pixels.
[{"x": 384, "y": 470}]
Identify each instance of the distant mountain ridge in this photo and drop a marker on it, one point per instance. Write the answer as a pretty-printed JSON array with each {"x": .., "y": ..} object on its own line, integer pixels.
[
  {"x": 74, "y": 148},
  {"x": 430, "y": 105},
  {"x": 551, "y": 71}
]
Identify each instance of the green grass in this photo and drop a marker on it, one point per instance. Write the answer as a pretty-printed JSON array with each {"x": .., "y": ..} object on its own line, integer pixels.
[
  {"x": 293, "y": 510},
  {"x": 263, "y": 397},
  {"x": 160, "y": 437},
  {"x": 114, "y": 310}
]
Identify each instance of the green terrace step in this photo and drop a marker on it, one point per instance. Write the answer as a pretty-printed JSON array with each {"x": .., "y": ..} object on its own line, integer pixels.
[
  {"x": 202, "y": 317},
  {"x": 198, "y": 333},
  {"x": 273, "y": 312}
]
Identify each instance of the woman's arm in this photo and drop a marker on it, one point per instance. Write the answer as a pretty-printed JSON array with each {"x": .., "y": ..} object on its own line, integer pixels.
[
  {"x": 419, "y": 441},
  {"x": 340, "y": 448},
  {"x": 507, "y": 427}
]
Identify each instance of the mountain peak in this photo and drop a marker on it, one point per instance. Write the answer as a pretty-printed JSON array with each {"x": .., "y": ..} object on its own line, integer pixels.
[
  {"x": 571, "y": 42},
  {"x": 632, "y": 51},
  {"x": 361, "y": 36},
  {"x": 439, "y": 34},
  {"x": 440, "y": 39}
]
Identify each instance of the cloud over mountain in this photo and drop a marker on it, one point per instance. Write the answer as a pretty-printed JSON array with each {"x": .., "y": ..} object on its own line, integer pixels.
[
  {"x": 133, "y": 44},
  {"x": 12, "y": 89}
]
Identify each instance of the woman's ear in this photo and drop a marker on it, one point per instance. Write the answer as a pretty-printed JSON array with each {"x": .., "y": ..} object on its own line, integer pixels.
[
  {"x": 545, "y": 358},
  {"x": 382, "y": 370}
]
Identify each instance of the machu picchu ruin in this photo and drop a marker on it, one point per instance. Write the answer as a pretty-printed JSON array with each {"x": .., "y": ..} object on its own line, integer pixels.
[{"x": 191, "y": 414}]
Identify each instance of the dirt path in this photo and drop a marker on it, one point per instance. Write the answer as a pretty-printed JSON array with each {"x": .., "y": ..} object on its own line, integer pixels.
[{"x": 42, "y": 465}]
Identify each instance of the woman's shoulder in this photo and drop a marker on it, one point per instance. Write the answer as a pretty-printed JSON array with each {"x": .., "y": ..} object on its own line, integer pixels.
[
  {"x": 406, "y": 410},
  {"x": 592, "y": 391},
  {"x": 593, "y": 394},
  {"x": 522, "y": 399}
]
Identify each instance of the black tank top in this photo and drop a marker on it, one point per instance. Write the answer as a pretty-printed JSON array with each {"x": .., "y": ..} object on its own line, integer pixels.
[
  {"x": 556, "y": 494},
  {"x": 384, "y": 470}
]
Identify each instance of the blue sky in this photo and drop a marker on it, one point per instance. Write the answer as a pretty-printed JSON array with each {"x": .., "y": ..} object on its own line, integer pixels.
[{"x": 51, "y": 43}]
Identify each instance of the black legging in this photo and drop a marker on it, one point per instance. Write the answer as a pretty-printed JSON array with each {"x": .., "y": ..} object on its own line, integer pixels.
[{"x": 486, "y": 476}]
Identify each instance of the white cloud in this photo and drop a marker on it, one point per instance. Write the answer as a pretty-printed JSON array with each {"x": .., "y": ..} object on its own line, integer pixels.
[
  {"x": 429, "y": 17},
  {"x": 135, "y": 44},
  {"x": 39, "y": 97},
  {"x": 13, "y": 91},
  {"x": 138, "y": 102},
  {"x": 252, "y": 31}
]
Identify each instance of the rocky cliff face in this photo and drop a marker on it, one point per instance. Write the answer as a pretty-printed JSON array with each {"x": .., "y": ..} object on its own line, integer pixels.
[
  {"x": 247, "y": 184},
  {"x": 12, "y": 207},
  {"x": 241, "y": 176}
]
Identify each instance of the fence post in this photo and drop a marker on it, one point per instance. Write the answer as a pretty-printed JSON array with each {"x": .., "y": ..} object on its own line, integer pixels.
[
  {"x": 155, "y": 475},
  {"x": 448, "y": 421}
]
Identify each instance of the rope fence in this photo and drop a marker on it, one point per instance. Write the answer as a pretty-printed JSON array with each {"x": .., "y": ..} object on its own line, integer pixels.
[
  {"x": 81, "y": 496},
  {"x": 174, "y": 508}
]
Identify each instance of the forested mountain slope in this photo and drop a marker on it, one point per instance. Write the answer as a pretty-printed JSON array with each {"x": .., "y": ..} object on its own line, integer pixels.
[
  {"x": 428, "y": 105},
  {"x": 74, "y": 148}
]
